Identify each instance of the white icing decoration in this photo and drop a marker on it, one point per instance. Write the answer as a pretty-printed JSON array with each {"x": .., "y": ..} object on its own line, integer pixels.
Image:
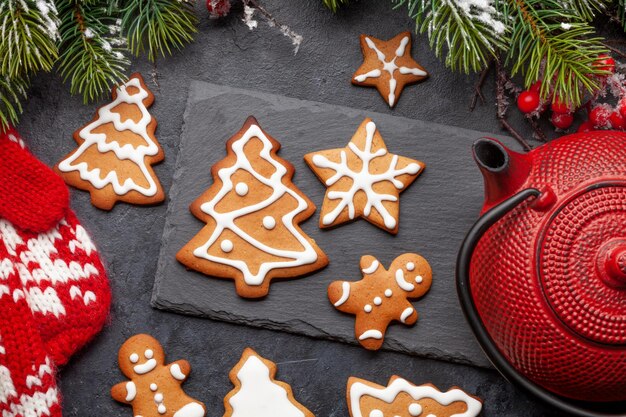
[
  {"x": 405, "y": 314},
  {"x": 146, "y": 367},
  {"x": 409, "y": 267},
  {"x": 378, "y": 301},
  {"x": 131, "y": 391},
  {"x": 153, "y": 387},
  {"x": 345, "y": 286},
  {"x": 241, "y": 188},
  {"x": 358, "y": 390},
  {"x": 376, "y": 413},
  {"x": 227, "y": 220},
  {"x": 415, "y": 409},
  {"x": 227, "y": 245},
  {"x": 371, "y": 334},
  {"x": 158, "y": 397},
  {"x": 269, "y": 222},
  {"x": 363, "y": 180},
  {"x": 373, "y": 267},
  {"x": 123, "y": 152},
  {"x": 390, "y": 67},
  {"x": 149, "y": 354},
  {"x": 388, "y": 293},
  {"x": 406, "y": 286},
  {"x": 419, "y": 279},
  {"x": 367, "y": 308},
  {"x": 259, "y": 396},
  {"x": 190, "y": 410},
  {"x": 161, "y": 409},
  {"x": 134, "y": 358},
  {"x": 176, "y": 372}
]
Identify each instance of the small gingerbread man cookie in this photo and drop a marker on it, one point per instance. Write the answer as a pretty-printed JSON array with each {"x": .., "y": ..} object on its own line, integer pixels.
[
  {"x": 388, "y": 66},
  {"x": 154, "y": 389},
  {"x": 382, "y": 296}
]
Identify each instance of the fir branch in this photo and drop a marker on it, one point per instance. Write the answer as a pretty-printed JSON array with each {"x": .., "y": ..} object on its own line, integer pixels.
[
  {"x": 28, "y": 31},
  {"x": 471, "y": 32},
  {"x": 334, "y": 5},
  {"x": 157, "y": 26},
  {"x": 92, "y": 48},
  {"x": 555, "y": 45},
  {"x": 12, "y": 92}
]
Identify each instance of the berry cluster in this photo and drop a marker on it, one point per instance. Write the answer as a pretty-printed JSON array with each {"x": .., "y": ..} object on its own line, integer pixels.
[
  {"x": 218, "y": 8},
  {"x": 601, "y": 116}
]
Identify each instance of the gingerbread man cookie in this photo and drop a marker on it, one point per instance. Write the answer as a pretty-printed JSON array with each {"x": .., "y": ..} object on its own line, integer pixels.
[
  {"x": 117, "y": 150},
  {"x": 257, "y": 393},
  {"x": 402, "y": 398},
  {"x": 388, "y": 66},
  {"x": 252, "y": 212},
  {"x": 382, "y": 296},
  {"x": 154, "y": 389},
  {"x": 363, "y": 180}
]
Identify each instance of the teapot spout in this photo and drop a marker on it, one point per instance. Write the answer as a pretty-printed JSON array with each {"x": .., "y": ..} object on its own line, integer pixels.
[{"x": 504, "y": 171}]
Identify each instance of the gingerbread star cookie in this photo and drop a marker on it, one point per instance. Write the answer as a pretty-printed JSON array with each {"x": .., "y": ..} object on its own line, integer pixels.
[
  {"x": 382, "y": 296},
  {"x": 402, "y": 398},
  {"x": 363, "y": 180},
  {"x": 388, "y": 66}
]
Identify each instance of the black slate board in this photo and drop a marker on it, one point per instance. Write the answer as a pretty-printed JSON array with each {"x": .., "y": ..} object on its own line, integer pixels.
[{"x": 436, "y": 211}]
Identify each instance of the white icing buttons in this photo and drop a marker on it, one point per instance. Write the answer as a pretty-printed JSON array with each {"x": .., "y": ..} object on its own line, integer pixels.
[
  {"x": 419, "y": 279},
  {"x": 376, "y": 413},
  {"x": 153, "y": 387},
  {"x": 241, "y": 188},
  {"x": 161, "y": 409},
  {"x": 415, "y": 409},
  {"x": 410, "y": 266},
  {"x": 367, "y": 308},
  {"x": 378, "y": 301},
  {"x": 158, "y": 397},
  {"x": 269, "y": 222},
  {"x": 227, "y": 245},
  {"x": 149, "y": 354},
  {"x": 388, "y": 293},
  {"x": 134, "y": 358}
]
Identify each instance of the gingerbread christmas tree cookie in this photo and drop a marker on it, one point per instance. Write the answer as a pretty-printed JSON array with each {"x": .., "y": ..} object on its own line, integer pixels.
[
  {"x": 154, "y": 388},
  {"x": 388, "y": 66},
  {"x": 382, "y": 296},
  {"x": 363, "y": 180},
  {"x": 402, "y": 398},
  {"x": 257, "y": 393},
  {"x": 252, "y": 212},
  {"x": 117, "y": 150}
]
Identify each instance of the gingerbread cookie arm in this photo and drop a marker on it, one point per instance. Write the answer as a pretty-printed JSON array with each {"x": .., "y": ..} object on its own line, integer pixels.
[
  {"x": 179, "y": 369},
  {"x": 124, "y": 392}
]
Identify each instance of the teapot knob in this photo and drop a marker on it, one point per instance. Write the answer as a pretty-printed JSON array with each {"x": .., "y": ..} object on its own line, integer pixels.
[{"x": 611, "y": 263}]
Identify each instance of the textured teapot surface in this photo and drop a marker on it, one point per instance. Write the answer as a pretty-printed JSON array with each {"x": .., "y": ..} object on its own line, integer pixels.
[{"x": 549, "y": 278}]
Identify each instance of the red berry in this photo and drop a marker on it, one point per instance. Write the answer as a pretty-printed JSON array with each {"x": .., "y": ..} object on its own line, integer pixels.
[
  {"x": 559, "y": 106},
  {"x": 528, "y": 101},
  {"x": 585, "y": 127},
  {"x": 562, "y": 120},
  {"x": 621, "y": 107},
  {"x": 536, "y": 87},
  {"x": 600, "y": 116},
  {"x": 617, "y": 121},
  {"x": 605, "y": 63},
  {"x": 218, "y": 8}
]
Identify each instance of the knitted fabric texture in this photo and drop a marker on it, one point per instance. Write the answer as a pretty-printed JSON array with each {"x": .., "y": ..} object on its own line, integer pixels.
[{"x": 54, "y": 292}]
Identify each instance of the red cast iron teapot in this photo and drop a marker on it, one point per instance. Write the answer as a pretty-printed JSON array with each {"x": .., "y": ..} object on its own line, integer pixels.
[{"x": 542, "y": 274}]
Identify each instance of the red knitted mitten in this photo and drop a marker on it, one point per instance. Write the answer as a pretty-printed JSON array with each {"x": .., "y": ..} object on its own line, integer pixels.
[
  {"x": 27, "y": 374},
  {"x": 61, "y": 273}
]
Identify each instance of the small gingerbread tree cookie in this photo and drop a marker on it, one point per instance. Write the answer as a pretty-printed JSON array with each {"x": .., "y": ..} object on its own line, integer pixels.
[
  {"x": 117, "y": 150},
  {"x": 402, "y": 398},
  {"x": 154, "y": 389},
  {"x": 382, "y": 296},
  {"x": 257, "y": 393},
  {"x": 252, "y": 211}
]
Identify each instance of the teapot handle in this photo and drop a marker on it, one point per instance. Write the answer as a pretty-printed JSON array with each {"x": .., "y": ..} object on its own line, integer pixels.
[{"x": 471, "y": 314}]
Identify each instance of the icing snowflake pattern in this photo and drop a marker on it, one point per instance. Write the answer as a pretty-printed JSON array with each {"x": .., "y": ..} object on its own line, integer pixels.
[{"x": 364, "y": 180}]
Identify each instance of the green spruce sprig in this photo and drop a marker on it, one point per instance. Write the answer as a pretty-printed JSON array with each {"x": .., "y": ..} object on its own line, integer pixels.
[
  {"x": 334, "y": 5},
  {"x": 12, "y": 92}
]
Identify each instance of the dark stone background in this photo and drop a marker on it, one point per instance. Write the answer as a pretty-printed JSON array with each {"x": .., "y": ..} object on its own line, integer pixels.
[{"x": 226, "y": 52}]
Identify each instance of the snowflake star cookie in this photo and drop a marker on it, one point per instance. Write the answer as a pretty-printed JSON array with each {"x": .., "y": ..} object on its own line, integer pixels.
[
  {"x": 402, "y": 398},
  {"x": 388, "y": 66},
  {"x": 363, "y": 180},
  {"x": 252, "y": 212},
  {"x": 382, "y": 296},
  {"x": 117, "y": 150},
  {"x": 154, "y": 388},
  {"x": 257, "y": 393}
]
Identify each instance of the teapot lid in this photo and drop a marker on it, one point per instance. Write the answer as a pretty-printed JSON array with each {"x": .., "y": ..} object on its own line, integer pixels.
[{"x": 581, "y": 261}]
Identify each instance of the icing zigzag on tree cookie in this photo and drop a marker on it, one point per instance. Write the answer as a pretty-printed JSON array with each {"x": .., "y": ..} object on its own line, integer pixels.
[{"x": 252, "y": 213}]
